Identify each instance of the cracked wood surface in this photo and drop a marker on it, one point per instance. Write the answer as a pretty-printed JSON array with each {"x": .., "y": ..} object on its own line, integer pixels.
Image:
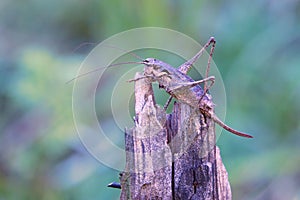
[{"x": 171, "y": 156}]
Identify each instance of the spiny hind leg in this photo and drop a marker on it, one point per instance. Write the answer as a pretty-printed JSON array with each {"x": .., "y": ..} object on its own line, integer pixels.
[
  {"x": 212, "y": 49},
  {"x": 185, "y": 67}
]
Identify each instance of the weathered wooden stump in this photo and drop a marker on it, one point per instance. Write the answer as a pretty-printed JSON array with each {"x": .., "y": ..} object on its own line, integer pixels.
[{"x": 171, "y": 156}]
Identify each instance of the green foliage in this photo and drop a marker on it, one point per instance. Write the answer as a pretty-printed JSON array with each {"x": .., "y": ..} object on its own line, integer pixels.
[{"x": 257, "y": 54}]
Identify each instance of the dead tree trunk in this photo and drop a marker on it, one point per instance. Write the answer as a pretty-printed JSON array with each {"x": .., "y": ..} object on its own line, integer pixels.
[{"x": 171, "y": 156}]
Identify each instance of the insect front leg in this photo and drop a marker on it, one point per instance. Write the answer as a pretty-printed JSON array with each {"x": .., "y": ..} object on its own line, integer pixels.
[
  {"x": 136, "y": 79},
  {"x": 153, "y": 77}
]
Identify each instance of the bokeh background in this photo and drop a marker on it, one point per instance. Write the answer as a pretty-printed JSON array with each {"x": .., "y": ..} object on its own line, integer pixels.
[{"x": 42, "y": 44}]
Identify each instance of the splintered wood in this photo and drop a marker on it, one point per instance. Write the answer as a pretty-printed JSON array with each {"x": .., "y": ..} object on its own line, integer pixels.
[{"x": 171, "y": 156}]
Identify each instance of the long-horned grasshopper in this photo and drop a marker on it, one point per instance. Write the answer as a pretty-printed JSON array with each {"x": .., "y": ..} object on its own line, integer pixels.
[
  {"x": 184, "y": 88},
  {"x": 179, "y": 85}
]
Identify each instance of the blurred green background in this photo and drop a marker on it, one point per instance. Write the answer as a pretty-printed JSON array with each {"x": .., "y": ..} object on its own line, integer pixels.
[{"x": 258, "y": 48}]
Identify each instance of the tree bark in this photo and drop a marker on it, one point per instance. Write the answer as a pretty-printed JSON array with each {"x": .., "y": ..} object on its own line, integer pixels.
[{"x": 171, "y": 156}]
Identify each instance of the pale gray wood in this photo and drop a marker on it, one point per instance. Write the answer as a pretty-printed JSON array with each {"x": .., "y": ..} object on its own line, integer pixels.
[{"x": 171, "y": 156}]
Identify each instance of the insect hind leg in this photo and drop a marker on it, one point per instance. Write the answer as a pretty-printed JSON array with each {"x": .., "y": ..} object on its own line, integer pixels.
[
  {"x": 212, "y": 49},
  {"x": 185, "y": 67}
]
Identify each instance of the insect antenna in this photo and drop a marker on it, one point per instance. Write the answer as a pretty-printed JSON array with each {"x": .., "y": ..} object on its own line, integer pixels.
[
  {"x": 99, "y": 68},
  {"x": 112, "y": 65},
  {"x": 83, "y": 45},
  {"x": 125, "y": 51}
]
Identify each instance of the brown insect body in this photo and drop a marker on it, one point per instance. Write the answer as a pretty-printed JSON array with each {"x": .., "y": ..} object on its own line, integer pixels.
[
  {"x": 173, "y": 81},
  {"x": 181, "y": 86},
  {"x": 184, "y": 89}
]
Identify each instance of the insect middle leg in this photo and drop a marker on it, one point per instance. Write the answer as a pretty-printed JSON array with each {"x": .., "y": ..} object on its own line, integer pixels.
[{"x": 194, "y": 83}]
